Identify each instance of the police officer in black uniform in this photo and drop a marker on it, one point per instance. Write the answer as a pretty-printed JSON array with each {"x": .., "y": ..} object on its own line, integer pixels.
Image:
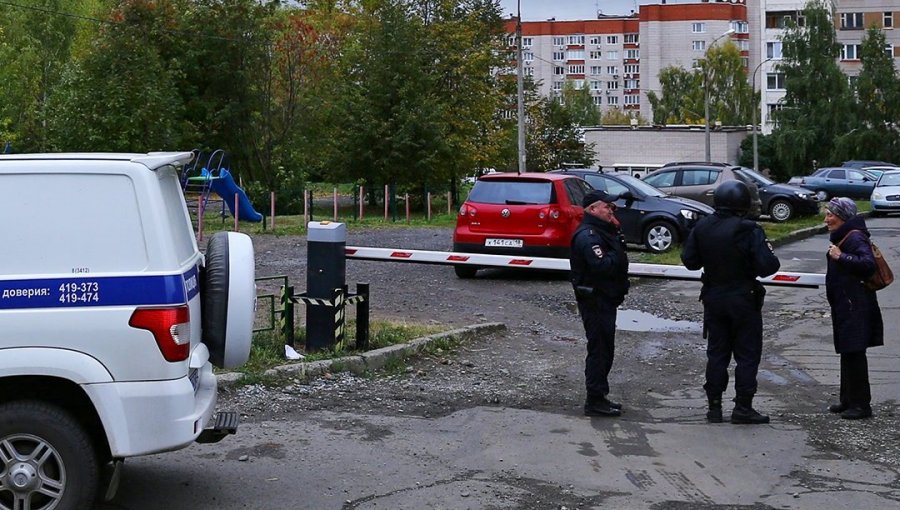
[
  {"x": 732, "y": 251},
  {"x": 600, "y": 278}
]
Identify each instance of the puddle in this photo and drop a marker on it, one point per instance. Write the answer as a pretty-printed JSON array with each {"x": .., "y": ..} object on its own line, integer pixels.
[{"x": 634, "y": 320}]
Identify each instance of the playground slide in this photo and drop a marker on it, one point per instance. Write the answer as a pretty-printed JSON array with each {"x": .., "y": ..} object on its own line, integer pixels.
[{"x": 225, "y": 187}]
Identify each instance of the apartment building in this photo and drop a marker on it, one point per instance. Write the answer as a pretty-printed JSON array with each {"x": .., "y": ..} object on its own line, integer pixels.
[{"x": 618, "y": 58}]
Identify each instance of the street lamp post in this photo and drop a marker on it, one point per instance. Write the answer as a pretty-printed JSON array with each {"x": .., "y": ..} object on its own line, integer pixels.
[
  {"x": 706, "y": 94},
  {"x": 520, "y": 88},
  {"x": 755, "y": 109}
]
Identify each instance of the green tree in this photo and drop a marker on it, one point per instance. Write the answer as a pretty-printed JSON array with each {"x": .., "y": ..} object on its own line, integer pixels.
[
  {"x": 121, "y": 96},
  {"x": 722, "y": 74},
  {"x": 681, "y": 99},
  {"x": 617, "y": 117},
  {"x": 387, "y": 109},
  {"x": 817, "y": 106},
  {"x": 35, "y": 45},
  {"x": 580, "y": 105},
  {"x": 875, "y": 133}
]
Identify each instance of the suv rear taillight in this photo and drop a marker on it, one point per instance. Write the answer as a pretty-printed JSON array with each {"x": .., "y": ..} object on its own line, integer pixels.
[{"x": 171, "y": 327}]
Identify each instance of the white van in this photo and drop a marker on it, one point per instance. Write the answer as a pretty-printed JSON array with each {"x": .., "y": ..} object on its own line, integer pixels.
[{"x": 110, "y": 321}]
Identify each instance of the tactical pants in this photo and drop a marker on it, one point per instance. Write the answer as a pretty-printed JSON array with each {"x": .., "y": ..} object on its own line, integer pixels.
[
  {"x": 734, "y": 328},
  {"x": 599, "y": 319},
  {"x": 855, "y": 389}
]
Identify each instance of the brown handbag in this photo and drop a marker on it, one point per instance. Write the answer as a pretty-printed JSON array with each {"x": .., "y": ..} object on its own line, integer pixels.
[{"x": 883, "y": 276}]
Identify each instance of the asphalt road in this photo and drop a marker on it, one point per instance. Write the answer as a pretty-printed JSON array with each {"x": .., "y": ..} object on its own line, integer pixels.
[{"x": 659, "y": 456}]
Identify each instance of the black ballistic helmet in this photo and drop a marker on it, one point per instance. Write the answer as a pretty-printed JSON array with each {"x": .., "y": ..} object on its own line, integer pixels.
[{"x": 732, "y": 195}]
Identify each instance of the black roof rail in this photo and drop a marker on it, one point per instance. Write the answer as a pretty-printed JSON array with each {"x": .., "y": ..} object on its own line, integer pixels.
[{"x": 706, "y": 163}]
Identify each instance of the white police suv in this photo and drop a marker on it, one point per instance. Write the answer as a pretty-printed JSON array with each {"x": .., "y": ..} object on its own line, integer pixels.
[{"x": 110, "y": 321}]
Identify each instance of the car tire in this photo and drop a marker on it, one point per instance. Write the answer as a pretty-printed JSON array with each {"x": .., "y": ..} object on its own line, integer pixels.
[
  {"x": 781, "y": 210},
  {"x": 228, "y": 299},
  {"x": 45, "y": 449},
  {"x": 465, "y": 272},
  {"x": 821, "y": 195},
  {"x": 660, "y": 236}
]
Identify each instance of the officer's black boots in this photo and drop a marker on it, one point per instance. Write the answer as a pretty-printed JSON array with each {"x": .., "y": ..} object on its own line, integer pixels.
[
  {"x": 744, "y": 413},
  {"x": 601, "y": 407},
  {"x": 714, "y": 414}
]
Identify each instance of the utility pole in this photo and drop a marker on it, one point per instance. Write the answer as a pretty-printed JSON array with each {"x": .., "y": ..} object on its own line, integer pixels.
[{"x": 520, "y": 88}]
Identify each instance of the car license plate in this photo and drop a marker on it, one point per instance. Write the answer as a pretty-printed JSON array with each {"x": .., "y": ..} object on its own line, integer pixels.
[
  {"x": 504, "y": 243},
  {"x": 194, "y": 376}
]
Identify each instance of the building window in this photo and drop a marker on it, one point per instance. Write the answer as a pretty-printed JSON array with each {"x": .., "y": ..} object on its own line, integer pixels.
[
  {"x": 695, "y": 63},
  {"x": 887, "y": 21},
  {"x": 598, "y": 100},
  {"x": 577, "y": 84},
  {"x": 527, "y": 56},
  {"x": 529, "y": 71},
  {"x": 632, "y": 68},
  {"x": 612, "y": 55},
  {"x": 698, "y": 45},
  {"x": 698, "y": 28},
  {"x": 579, "y": 69},
  {"x": 851, "y": 20},
  {"x": 596, "y": 55},
  {"x": 740, "y": 27},
  {"x": 557, "y": 86},
  {"x": 632, "y": 84},
  {"x": 632, "y": 99},
  {"x": 559, "y": 70},
  {"x": 773, "y": 50},
  {"x": 850, "y": 52},
  {"x": 742, "y": 44},
  {"x": 612, "y": 100},
  {"x": 775, "y": 81},
  {"x": 595, "y": 40},
  {"x": 745, "y": 62},
  {"x": 559, "y": 41},
  {"x": 633, "y": 54},
  {"x": 612, "y": 70},
  {"x": 527, "y": 42},
  {"x": 559, "y": 55},
  {"x": 576, "y": 40},
  {"x": 632, "y": 38},
  {"x": 596, "y": 84},
  {"x": 612, "y": 39},
  {"x": 575, "y": 55},
  {"x": 596, "y": 69},
  {"x": 612, "y": 85}
]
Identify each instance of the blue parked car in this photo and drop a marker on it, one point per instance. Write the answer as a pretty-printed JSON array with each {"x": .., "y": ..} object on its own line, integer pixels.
[{"x": 838, "y": 182}]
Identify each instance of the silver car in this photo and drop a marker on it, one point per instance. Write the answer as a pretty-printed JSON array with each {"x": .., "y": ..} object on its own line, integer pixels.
[{"x": 886, "y": 194}]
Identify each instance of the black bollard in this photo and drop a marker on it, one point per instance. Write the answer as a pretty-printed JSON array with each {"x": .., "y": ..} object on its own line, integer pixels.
[{"x": 326, "y": 271}]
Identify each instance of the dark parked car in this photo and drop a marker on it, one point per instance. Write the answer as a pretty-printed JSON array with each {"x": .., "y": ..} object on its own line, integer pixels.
[
  {"x": 699, "y": 180},
  {"x": 838, "y": 182},
  {"x": 519, "y": 214},
  {"x": 648, "y": 216},
  {"x": 782, "y": 201}
]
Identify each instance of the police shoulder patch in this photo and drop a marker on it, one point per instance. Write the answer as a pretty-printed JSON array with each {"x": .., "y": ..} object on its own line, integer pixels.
[{"x": 598, "y": 251}]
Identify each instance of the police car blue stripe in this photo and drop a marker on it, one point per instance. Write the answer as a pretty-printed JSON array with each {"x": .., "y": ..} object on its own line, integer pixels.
[{"x": 100, "y": 291}]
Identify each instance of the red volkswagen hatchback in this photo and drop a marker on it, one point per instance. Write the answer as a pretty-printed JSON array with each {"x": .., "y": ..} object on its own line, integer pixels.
[{"x": 519, "y": 214}]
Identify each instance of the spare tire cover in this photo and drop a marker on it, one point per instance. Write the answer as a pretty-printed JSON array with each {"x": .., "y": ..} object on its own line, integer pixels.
[{"x": 228, "y": 296}]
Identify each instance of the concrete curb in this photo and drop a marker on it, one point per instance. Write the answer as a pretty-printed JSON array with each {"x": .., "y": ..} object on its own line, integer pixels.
[{"x": 370, "y": 360}]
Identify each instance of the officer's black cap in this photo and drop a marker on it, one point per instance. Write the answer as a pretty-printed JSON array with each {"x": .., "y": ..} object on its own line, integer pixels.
[{"x": 598, "y": 195}]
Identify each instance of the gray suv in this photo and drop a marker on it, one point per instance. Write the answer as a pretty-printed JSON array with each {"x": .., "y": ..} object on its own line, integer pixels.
[{"x": 698, "y": 181}]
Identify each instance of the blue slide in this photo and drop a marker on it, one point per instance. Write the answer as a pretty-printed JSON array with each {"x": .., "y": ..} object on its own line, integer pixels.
[{"x": 225, "y": 187}]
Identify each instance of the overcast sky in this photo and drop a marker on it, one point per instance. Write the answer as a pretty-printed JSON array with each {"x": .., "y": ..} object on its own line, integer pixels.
[{"x": 538, "y": 10}]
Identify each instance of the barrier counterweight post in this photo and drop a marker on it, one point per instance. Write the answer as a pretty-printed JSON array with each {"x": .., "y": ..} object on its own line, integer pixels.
[
  {"x": 326, "y": 271},
  {"x": 362, "y": 317}
]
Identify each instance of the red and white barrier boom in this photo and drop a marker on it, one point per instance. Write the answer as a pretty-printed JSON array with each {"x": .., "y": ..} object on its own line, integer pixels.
[{"x": 807, "y": 280}]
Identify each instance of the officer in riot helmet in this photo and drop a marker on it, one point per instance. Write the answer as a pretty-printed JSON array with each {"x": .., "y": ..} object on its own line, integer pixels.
[
  {"x": 732, "y": 252},
  {"x": 600, "y": 278}
]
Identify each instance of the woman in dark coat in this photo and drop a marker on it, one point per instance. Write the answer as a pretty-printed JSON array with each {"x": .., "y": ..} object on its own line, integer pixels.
[{"x": 856, "y": 318}]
